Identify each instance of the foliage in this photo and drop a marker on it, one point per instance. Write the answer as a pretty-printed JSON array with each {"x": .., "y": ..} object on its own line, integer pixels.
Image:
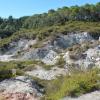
[
  {"x": 86, "y": 13},
  {"x": 61, "y": 62},
  {"x": 6, "y": 68},
  {"x": 73, "y": 85},
  {"x": 10, "y": 25}
]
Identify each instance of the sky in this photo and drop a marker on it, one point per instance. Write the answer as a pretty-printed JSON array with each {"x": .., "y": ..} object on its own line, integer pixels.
[{"x": 19, "y": 8}]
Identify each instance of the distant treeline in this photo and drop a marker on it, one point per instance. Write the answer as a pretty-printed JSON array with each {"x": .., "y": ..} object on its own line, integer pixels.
[{"x": 88, "y": 12}]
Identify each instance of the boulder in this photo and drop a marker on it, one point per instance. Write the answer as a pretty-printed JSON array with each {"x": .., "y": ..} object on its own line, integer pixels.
[{"x": 21, "y": 85}]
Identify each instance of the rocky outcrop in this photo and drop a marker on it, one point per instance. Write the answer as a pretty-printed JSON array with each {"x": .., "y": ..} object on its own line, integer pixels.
[
  {"x": 90, "y": 96},
  {"x": 18, "y": 96},
  {"x": 51, "y": 58},
  {"x": 4, "y": 58},
  {"x": 59, "y": 42},
  {"x": 93, "y": 55},
  {"x": 24, "y": 88},
  {"x": 47, "y": 74},
  {"x": 64, "y": 41},
  {"x": 19, "y": 45},
  {"x": 20, "y": 87},
  {"x": 39, "y": 53},
  {"x": 49, "y": 53},
  {"x": 91, "y": 58},
  {"x": 51, "y": 49}
]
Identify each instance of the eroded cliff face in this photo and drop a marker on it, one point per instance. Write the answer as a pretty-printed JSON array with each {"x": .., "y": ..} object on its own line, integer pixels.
[
  {"x": 62, "y": 54},
  {"x": 49, "y": 52},
  {"x": 77, "y": 50},
  {"x": 59, "y": 42}
]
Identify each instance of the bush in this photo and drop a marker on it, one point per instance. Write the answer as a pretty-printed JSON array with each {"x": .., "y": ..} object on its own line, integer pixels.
[
  {"x": 73, "y": 85},
  {"x": 61, "y": 62},
  {"x": 5, "y": 74}
]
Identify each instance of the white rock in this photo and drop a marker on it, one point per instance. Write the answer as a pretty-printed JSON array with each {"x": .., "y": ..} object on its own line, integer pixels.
[
  {"x": 50, "y": 58},
  {"x": 20, "y": 84},
  {"x": 47, "y": 74},
  {"x": 90, "y": 96},
  {"x": 6, "y": 58}
]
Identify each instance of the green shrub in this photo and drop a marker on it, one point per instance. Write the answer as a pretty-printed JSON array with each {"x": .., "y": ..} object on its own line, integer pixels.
[
  {"x": 73, "y": 85},
  {"x": 5, "y": 74},
  {"x": 61, "y": 62}
]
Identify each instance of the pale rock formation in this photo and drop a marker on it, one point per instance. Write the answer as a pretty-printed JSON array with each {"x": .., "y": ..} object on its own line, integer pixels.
[
  {"x": 47, "y": 74},
  {"x": 51, "y": 58},
  {"x": 90, "y": 96},
  {"x": 20, "y": 87}
]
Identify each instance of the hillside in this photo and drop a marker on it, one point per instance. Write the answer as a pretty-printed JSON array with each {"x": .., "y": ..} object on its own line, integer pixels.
[
  {"x": 51, "y": 56},
  {"x": 86, "y": 13}
]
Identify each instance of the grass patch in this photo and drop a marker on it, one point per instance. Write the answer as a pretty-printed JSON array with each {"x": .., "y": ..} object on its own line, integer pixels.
[
  {"x": 19, "y": 66},
  {"x": 74, "y": 85}
]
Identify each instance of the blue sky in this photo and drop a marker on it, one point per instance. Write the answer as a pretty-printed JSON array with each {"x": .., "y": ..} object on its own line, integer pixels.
[{"x": 18, "y": 8}]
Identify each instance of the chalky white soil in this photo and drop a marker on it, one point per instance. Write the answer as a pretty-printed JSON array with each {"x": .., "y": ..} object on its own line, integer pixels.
[{"x": 90, "y": 96}]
